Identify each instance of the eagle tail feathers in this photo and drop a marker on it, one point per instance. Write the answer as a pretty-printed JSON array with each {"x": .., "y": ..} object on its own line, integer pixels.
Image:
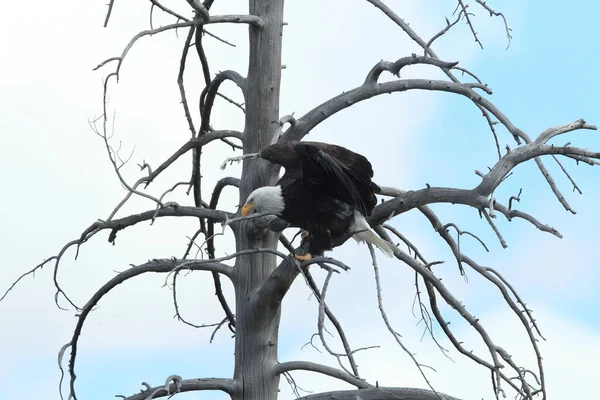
[{"x": 366, "y": 234}]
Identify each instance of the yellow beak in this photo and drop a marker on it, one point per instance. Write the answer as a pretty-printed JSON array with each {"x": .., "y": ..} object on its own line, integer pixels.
[{"x": 247, "y": 209}]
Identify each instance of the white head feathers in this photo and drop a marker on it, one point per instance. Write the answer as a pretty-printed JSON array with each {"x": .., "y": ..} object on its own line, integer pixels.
[{"x": 265, "y": 199}]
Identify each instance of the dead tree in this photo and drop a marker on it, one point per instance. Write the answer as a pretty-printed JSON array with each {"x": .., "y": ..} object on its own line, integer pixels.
[{"x": 260, "y": 271}]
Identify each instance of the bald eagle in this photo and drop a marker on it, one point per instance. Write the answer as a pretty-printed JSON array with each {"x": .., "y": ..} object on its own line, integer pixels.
[{"x": 326, "y": 191}]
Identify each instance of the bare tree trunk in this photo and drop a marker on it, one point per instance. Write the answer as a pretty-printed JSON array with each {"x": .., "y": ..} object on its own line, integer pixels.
[{"x": 258, "y": 323}]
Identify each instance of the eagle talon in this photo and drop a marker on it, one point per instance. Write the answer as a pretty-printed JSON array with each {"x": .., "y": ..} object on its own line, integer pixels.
[{"x": 305, "y": 257}]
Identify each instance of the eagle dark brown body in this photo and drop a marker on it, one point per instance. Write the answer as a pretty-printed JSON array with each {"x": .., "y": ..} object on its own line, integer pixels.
[{"x": 322, "y": 187}]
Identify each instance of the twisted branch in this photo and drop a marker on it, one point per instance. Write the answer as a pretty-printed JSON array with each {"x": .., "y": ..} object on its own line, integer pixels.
[
  {"x": 322, "y": 369},
  {"x": 228, "y": 386},
  {"x": 210, "y": 246}
]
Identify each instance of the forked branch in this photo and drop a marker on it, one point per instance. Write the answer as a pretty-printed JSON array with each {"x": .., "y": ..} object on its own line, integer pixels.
[
  {"x": 235, "y": 19},
  {"x": 164, "y": 266},
  {"x": 161, "y": 266},
  {"x": 191, "y": 144},
  {"x": 494, "y": 13},
  {"x": 484, "y": 105},
  {"x": 479, "y": 197},
  {"x": 510, "y": 295},
  {"x": 435, "y": 285}
]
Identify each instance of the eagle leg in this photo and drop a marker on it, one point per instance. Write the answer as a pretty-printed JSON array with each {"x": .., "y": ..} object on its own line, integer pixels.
[{"x": 304, "y": 242}]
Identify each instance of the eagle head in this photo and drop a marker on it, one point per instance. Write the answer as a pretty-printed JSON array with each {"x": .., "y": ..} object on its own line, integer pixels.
[{"x": 267, "y": 199}]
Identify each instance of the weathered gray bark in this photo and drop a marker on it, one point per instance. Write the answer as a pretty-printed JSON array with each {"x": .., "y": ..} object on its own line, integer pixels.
[
  {"x": 383, "y": 393},
  {"x": 257, "y": 324}
]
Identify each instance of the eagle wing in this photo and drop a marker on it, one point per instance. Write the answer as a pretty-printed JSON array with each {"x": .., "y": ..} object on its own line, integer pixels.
[
  {"x": 359, "y": 170},
  {"x": 339, "y": 172}
]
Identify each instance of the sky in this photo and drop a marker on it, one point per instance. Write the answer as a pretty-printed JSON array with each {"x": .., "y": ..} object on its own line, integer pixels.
[{"x": 57, "y": 180}]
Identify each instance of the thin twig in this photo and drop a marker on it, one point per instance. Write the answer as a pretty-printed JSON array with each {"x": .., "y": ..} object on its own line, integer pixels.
[
  {"x": 498, "y": 14},
  {"x": 395, "y": 334}
]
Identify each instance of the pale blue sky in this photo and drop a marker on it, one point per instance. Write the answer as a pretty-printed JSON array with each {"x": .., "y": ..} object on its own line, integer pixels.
[{"x": 57, "y": 181}]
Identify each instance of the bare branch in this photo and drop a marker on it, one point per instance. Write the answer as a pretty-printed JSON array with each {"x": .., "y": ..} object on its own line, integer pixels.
[
  {"x": 479, "y": 196},
  {"x": 209, "y": 93},
  {"x": 200, "y": 9},
  {"x": 429, "y": 51},
  {"x": 461, "y": 232},
  {"x": 219, "y": 325},
  {"x": 322, "y": 369},
  {"x": 202, "y": 56},
  {"x": 494, "y": 228},
  {"x": 380, "y": 393},
  {"x": 171, "y": 210},
  {"x": 231, "y": 160},
  {"x": 414, "y": 199},
  {"x": 191, "y": 144},
  {"x": 207, "y": 99},
  {"x": 494, "y": 350},
  {"x": 235, "y": 103},
  {"x": 442, "y": 32},
  {"x": 187, "y": 385},
  {"x": 564, "y": 170},
  {"x": 550, "y": 133},
  {"x": 167, "y": 10},
  {"x": 172, "y": 188},
  {"x": 236, "y": 19},
  {"x": 403, "y": 238},
  {"x": 523, "y": 313},
  {"x": 113, "y": 156},
  {"x": 223, "y": 301},
  {"x": 323, "y": 111},
  {"x": 510, "y": 214},
  {"x": 324, "y": 260},
  {"x": 432, "y": 282},
  {"x": 115, "y": 226},
  {"x": 485, "y": 106},
  {"x": 425, "y": 315},
  {"x": 395, "y": 67},
  {"x": 498, "y": 14},
  {"x": 463, "y": 8},
  {"x": 276, "y": 286},
  {"x": 321, "y": 328},
  {"x": 395, "y": 334},
  {"x": 337, "y": 325},
  {"x": 184, "y": 103},
  {"x": 219, "y": 38},
  {"x": 109, "y": 12},
  {"x": 176, "y": 304},
  {"x": 516, "y": 198},
  {"x": 164, "y": 266},
  {"x": 30, "y": 272}
]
